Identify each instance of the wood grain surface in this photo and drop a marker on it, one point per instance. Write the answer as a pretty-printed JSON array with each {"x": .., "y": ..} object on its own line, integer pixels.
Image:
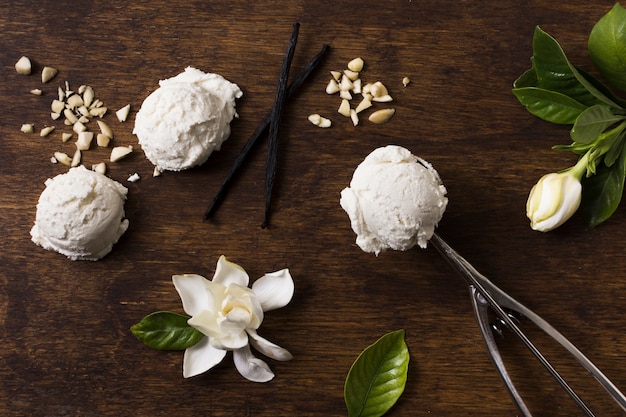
[{"x": 66, "y": 348}]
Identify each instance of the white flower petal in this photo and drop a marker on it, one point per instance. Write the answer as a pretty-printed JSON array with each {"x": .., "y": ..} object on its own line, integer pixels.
[
  {"x": 200, "y": 358},
  {"x": 193, "y": 293},
  {"x": 227, "y": 273},
  {"x": 250, "y": 367},
  {"x": 268, "y": 348},
  {"x": 274, "y": 290}
]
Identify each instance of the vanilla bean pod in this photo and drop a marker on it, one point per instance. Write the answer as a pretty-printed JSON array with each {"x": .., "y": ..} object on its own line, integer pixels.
[
  {"x": 277, "y": 115},
  {"x": 260, "y": 130}
]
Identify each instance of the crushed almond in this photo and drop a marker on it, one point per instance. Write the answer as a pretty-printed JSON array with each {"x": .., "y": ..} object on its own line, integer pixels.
[
  {"x": 23, "y": 66},
  {"x": 381, "y": 116},
  {"x": 48, "y": 73},
  {"x": 120, "y": 152},
  {"x": 122, "y": 113},
  {"x": 46, "y": 131}
]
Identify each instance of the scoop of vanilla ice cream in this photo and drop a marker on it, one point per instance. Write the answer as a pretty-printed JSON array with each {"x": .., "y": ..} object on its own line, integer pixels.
[
  {"x": 188, "y": 117},
  {"x": 80, "y": 214},
  {"x": 394, "y": 201}
]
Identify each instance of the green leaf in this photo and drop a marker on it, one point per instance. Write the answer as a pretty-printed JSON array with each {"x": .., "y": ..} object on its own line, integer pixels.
[
  {"x": 615, "y": 150},
  {"x": 592, "y": 122},
  {"x": 527, "y": 79},
  {"x": 603, "y": 191},
  {"x": 556, "y": 73},
  {"x": 548, "y": 105},
  {"x": 378, "y": 376},
  {"x": 604, "y": 90},
  {"x": 165, "y": 330},
  {"x": 607, "y": 46}
]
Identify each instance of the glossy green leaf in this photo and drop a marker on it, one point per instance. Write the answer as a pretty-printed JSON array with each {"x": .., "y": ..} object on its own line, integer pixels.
[
  {"x": 592, "y": 122},
  {"x": 527, "y": 79},
  {"x": 602, "y": 88},
  {"x": 556, "y": 73},
  {"x": 549, "y": 105},
  {"x": 603, "y": 191},
  {"x": 615, "y": 149},
  {"x": 165, "y": 330},
  {"x": 378, "y": 376},
  {"x": 607, "y": 46}
]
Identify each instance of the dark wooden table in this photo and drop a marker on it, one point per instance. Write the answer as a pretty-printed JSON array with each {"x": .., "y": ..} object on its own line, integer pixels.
[{"x": 66, "y": 348}]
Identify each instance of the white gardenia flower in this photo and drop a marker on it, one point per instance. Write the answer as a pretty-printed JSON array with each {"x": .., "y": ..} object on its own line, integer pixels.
[
  {"x": 553, "y": 200},
  {"x": 229, "y": 313}
]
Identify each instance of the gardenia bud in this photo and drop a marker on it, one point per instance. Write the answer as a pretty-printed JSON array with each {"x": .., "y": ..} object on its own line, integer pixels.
[{"x": 553, "y": 200}]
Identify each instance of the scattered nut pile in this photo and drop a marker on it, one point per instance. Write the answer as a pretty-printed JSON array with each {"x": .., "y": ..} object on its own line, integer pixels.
[
  {"x": 76, "y": 109},
  {"x": 348, "y": 84}
]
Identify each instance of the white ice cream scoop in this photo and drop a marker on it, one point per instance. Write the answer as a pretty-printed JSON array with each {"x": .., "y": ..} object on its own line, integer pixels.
[
  {"x": 394, "y": 201},
  {"x": 80, "y": 214},
  {"x": 188, "y": 117}
]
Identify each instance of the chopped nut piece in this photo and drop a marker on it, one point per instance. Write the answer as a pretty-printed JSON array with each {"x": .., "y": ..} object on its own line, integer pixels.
[
  {"x": 100, "y": 168},
  {"x": 364, "y": 104},
  {"x": 316, "y": 119},
  {"x": 83, "y": 110},
  {"x": 36, "y": 92},
  {"x": 27, "y": 128},
  {"x": 63, "y": 158},
  {"x": 120, "y": 152},
  {"x": 83, "y": 119},
  {"x": 344, "y": 108},
  {"x": 54, "y": 116},
  {"x": 378, "y": 89},
  {"x": 381, "y": 116},
  {"x": 325, "y": 123},
  {"x": 332, "y": 87},
  {"x": 103, "y": 140},
  {"x": 57, "y": 106},
  {"x": 320, "y": 121},
  {"x": 133, "y": 178},
  {"x": 356, "y": 86},
  {"x": 83, "y": 142},
  {"x": 105, "y": 129},
  {"x": 122, "y": 113},
  {"x": 345, "y": 84},
  {"x": 74, "y": 101},
  {"x": 97, "y": 111},
  {"x": 23, "y": 66},
  {"x": 336, "y": 75},
  {"x": 156, "y": 172},
  {"x": 48, "y": 73},
  {"x": 88, "y": 96},
  {"x": 354, "y": 117},
  {"x": 70, "y": 116},
  {"x": 352, "y": 75},
  {"x": 405, "y": 81},
  {"x": 76, "y": 158},
  {"x": 345, "y": 95},
  {"x": 66, "y": 136},
  {"x": 79, "y": 127},
  {"x": 46, "y": 131},
  {"x": 61, "y": 94},
  {"x": 356, "y": 65}
]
